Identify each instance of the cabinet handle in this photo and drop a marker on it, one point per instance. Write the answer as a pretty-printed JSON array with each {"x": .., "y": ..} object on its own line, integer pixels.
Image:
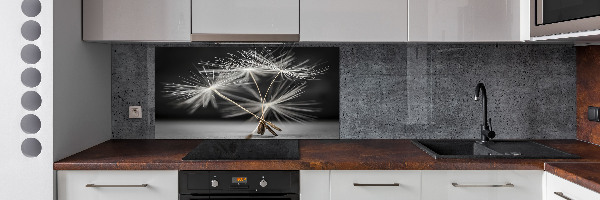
[
  {"x": 361, "y": 184},
  {"x": 560, "y": 194},
  {"x": 505, "y": 185},
  {"x": 94, "y": 185}
]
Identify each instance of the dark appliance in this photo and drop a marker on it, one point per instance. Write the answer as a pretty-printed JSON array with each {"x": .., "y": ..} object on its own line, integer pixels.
[
  {"x": 555, "y": 17},
  {"x": 555, "y": 11},
  {"x": 235, "y": 185},
  {"x": 245, "y": 150}
]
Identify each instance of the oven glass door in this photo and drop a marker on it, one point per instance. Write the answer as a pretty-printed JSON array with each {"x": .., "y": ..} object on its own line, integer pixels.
[{"x": 554, "y": 11}]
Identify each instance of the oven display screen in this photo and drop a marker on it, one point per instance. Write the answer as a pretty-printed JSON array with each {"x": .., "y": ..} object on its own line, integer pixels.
[{"x": 239, "y": 180}]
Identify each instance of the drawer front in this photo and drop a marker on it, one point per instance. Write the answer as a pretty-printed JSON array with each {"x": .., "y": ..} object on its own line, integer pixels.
[
  {"x": 378, "y": 185},
  {"x": 482, "y": 184},
  {"x": 113, "y": 185},
  {"x": 566, "y": 190}
]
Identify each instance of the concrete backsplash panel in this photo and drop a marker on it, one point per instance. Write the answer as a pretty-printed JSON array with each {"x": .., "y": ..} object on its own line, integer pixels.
[{"x": 405, "y": 91}]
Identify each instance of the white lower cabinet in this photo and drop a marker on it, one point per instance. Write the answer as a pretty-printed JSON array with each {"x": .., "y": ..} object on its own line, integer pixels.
[
  {"x": 482, "y": 184},
  {"x": 117, "y": 185},
  {"x": 375, "y": 185},
  {"x": 314, "y": 184},
  {"x": 561, "y": 189},
  {"x": 340, "y": 185}
]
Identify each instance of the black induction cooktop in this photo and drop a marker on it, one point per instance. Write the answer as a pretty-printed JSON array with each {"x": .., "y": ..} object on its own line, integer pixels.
[{"x": 245, "y": 150}]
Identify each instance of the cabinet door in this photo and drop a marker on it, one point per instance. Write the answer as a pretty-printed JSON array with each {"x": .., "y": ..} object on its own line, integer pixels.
[
  {"x": 561, "y": 189},
  {"x": 468, "y": 20},
  {"x": 354, "y": 20},
  {"x": 117, "y": 185},
  {"x": 379, "y": 185},
  {"x": 136, "y": 20},
  {"x": 314, "y": 184},
  {"x": 245, "y": 17},
  {"x": 482, "y": 184}
]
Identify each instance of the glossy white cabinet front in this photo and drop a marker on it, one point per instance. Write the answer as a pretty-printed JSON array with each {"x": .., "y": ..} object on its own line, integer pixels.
[
  {"x": 314, "y": 185},
  {"x": 354, "y": 20},
  {"x": 136, "y": 20},
  {"x": 117, "y": 185},
  {"x": 245, "y": 16},
  {"x": 561, "y": 189},
  {"x": 468, "y": 20},
  {"x": 482, "y": 184},
  {"x": 382, "y": 185}
]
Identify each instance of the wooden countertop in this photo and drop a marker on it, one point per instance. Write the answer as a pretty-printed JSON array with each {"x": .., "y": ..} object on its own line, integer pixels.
[
  {"x": 314, "y": 155},
  {"x": 581, "y": 173}
]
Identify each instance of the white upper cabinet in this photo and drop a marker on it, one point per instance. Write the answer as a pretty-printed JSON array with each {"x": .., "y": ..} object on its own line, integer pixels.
[
  {"x": 245, "y": 20},
  {"x": 354, "y": 20},
  {"x": 136, "y": 20},
  {"x": 307, "y": 20},
  {"x": 468, "y": 20}
]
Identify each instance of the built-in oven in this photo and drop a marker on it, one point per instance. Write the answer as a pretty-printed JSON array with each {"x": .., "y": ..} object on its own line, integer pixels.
[
  {"x": 235, "y": 185},
  {"x": 554, "y": 17}
]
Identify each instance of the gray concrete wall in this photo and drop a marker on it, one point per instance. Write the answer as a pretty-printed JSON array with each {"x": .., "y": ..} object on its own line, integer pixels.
[{"x": 407, "y": 90}]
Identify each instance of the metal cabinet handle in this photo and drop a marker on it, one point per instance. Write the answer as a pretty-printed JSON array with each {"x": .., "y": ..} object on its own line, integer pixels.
[
  {"x": 505, "y": 185},
  {"x": 361, "y": 184},
  {"x": 94, "y": 185},
  {"x": 560, "y": 194}
]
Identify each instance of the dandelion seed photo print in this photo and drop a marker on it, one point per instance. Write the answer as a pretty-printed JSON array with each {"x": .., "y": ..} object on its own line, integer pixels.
[{"x": 247, "y": 92}]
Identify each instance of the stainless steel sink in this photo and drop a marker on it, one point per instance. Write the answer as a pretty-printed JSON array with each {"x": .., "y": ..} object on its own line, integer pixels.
[{"x": 493, "y": 149}]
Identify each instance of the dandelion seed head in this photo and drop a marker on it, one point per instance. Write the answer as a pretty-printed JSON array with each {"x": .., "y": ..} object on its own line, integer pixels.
[
  {"x": 235, "y": 72},
  {"x": 281, "y": 105}
]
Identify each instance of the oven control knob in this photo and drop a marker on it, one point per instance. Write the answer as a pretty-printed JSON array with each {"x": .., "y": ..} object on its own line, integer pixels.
[
  {"x": 263, "y": 183},
  {"x": 214, "y": 183}
]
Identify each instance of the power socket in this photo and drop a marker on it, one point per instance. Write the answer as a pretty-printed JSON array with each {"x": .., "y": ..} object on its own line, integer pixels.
[
  {"x": 135, "y": 112},
  {"x": 593, "y": 114}
]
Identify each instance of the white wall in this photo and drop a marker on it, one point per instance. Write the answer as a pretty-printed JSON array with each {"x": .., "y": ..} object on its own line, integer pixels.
[
  {"x": 24, "y": 177},
  {"x": 74, "y": 88},
  {"x": 82, "y": 84}
]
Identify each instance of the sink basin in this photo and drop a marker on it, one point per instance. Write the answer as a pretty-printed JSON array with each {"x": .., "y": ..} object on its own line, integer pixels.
[{"x": 495, "y": 149}]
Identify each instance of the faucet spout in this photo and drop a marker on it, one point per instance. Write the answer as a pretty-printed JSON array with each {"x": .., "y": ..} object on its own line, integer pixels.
[
  {"x": 486, "y": 132},
  {"x": 481, "y": 88}
]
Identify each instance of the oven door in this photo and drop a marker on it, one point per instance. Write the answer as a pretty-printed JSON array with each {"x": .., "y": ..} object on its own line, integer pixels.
[{"x": 238, "y": 197}]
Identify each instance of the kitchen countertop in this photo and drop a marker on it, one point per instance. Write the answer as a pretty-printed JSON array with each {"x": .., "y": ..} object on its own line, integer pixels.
[
  {"x": 332, "y": 155},
  {"x": 314, "y": 155},
  {"x": 581, "y": 173}
]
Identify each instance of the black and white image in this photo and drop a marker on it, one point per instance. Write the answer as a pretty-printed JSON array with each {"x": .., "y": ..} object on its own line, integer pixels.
[{"x": 247, "y": 92}]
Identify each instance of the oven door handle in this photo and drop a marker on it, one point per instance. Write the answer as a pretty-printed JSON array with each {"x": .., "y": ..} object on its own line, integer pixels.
[
  {"x": 245, "y": 196},
  {"x": 251, "y": 197}
]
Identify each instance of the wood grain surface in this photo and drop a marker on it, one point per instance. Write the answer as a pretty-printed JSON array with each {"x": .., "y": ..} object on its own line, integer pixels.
[
  {"x": 588, "y": 92},
  {"x": 584, "y": 174},
  {"x": 314, "y": 155}
]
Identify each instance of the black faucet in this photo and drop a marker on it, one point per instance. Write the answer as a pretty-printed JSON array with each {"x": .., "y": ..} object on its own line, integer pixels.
[{"x": 486, "y": 129}]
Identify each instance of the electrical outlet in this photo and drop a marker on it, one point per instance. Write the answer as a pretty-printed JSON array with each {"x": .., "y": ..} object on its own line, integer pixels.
[{"x": 135, "y": 112}]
